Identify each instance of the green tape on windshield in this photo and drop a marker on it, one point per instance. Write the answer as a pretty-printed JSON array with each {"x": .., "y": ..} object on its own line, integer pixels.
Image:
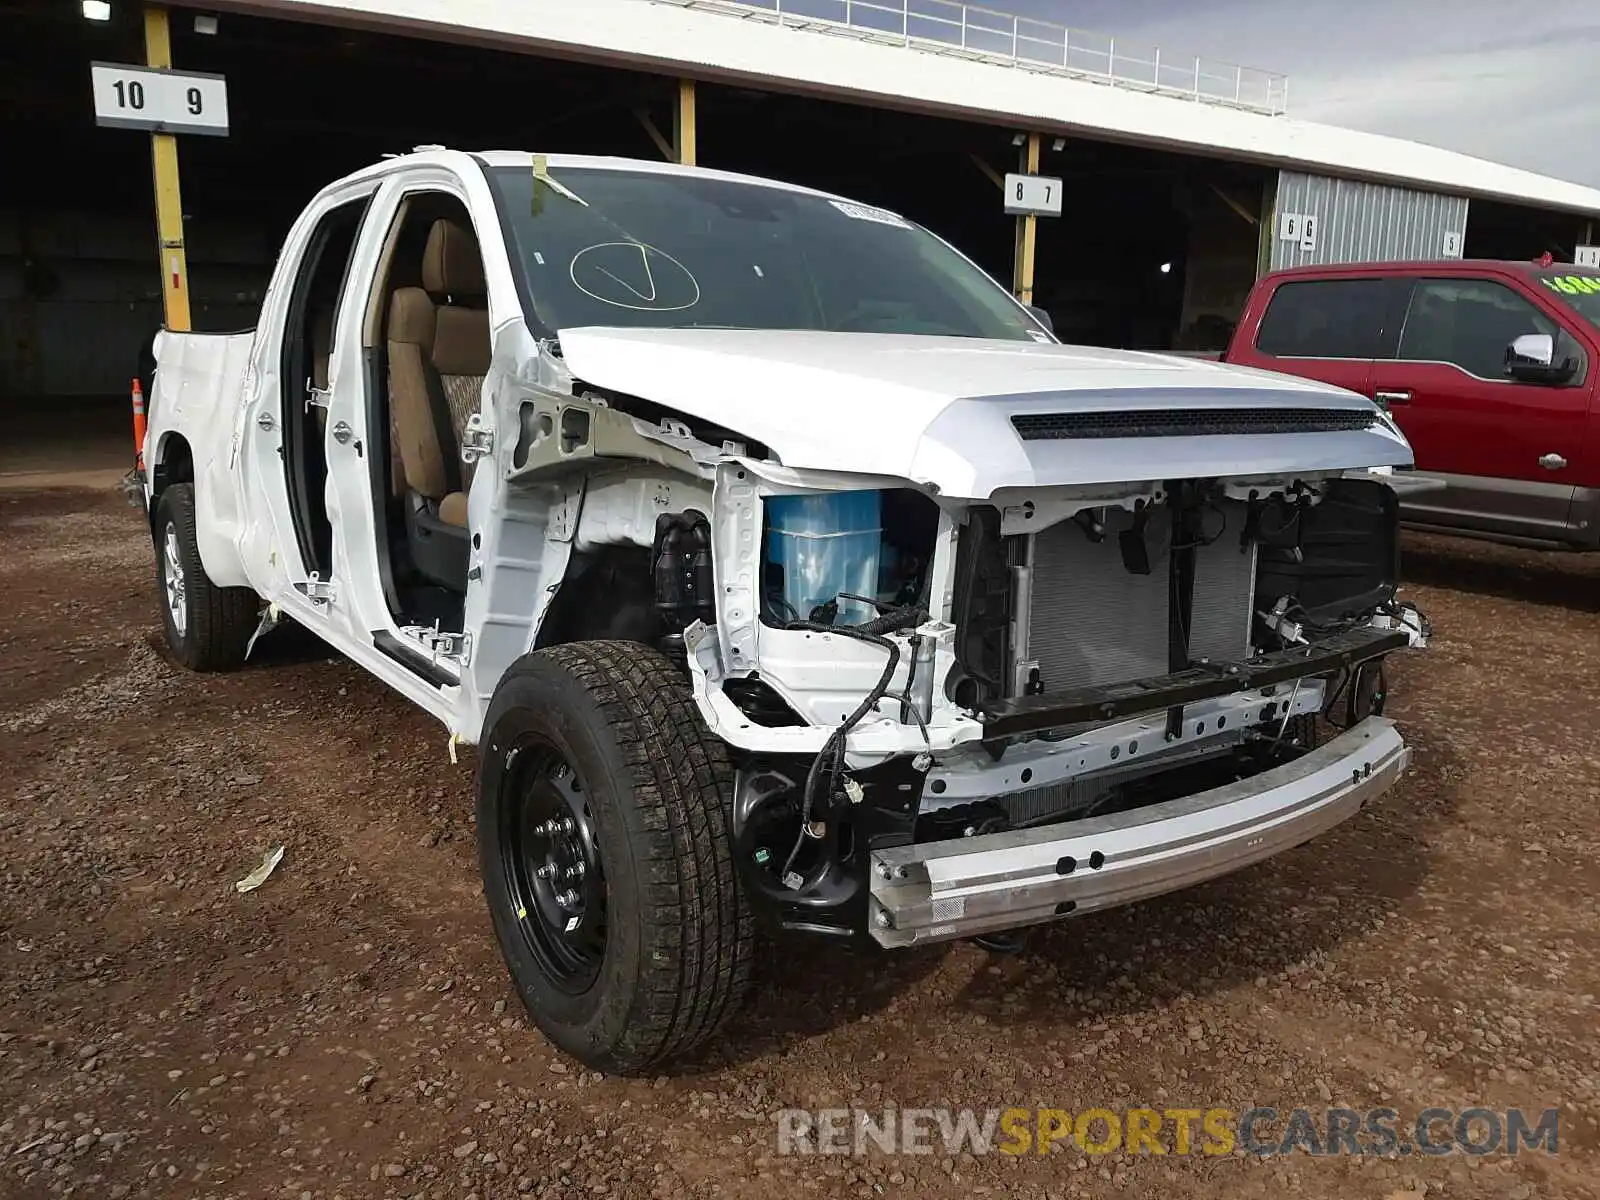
[{"x": 1573, "y": 285}]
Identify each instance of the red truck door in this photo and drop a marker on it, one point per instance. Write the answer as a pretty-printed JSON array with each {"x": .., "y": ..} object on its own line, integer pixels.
[{"x": 1510, "y": 451}]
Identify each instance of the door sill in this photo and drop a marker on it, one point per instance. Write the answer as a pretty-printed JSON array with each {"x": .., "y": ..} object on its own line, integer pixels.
[{"x": 412, "y": 658}]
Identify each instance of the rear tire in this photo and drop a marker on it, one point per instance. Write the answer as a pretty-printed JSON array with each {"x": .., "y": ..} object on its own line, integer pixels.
[
  {"x": 207, "y": 627},
  {"x": 604, "y": 811}
]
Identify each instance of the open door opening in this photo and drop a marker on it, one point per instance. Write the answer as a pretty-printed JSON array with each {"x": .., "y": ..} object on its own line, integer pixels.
[
  {"x": 427, "y": 344},
  {"x": 307, "y": 346}
]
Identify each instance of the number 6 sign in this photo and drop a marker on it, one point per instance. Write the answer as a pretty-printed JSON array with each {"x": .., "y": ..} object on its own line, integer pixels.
[{"x": 128, "y": 97}]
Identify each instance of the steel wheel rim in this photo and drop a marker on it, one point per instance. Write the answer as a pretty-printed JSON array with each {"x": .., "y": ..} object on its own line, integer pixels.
[
  {"x": 554, "y": 879},
  {"x": 172, "y": 580}
]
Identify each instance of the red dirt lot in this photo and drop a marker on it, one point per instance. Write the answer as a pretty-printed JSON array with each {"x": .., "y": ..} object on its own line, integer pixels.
[{"x": 348, "y": 1029}]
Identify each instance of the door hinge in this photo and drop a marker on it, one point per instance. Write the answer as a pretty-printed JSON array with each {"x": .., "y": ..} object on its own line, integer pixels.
[
  {"x": 440, "y": 645},
  {"x": 317, "y": 397},
  {"x": 477, "y": 440},
  {"x": 318, "y": 590}
]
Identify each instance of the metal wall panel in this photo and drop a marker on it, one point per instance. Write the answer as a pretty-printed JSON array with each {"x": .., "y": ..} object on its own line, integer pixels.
[{"x": 1364, "y": 222}]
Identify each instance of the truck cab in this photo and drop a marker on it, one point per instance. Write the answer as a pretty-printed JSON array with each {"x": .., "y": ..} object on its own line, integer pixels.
[{"x": 1490, "y": 369}]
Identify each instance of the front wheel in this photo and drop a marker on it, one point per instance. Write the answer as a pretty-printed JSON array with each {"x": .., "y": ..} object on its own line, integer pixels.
[
  {"x": 208, "y": 627},
  {"x": 604, "y": 811}
]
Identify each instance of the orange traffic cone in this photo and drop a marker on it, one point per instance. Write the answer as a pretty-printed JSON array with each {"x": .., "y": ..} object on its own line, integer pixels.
[{"x": 138, "y": 425}]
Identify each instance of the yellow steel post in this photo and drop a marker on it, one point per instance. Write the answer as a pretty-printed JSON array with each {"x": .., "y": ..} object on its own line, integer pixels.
[
  {"x": 1027, "y": 232},
  {"x": 683, "y": 125},
  {"x": 1267, "y": 227},
  {"x": 169, "y": 198}
]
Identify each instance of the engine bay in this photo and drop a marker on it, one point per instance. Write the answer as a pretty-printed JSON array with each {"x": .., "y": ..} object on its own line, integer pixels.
[{"x": 1104, "y": 655}]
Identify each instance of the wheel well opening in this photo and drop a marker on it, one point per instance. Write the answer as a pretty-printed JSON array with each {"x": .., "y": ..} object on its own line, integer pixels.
[
  {"x": 607, "y": 593},
  {"x": 174, "y": 464}
]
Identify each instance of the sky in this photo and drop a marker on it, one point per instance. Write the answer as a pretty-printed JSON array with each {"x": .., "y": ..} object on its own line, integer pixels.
[{"x": 1511, "y": 82}]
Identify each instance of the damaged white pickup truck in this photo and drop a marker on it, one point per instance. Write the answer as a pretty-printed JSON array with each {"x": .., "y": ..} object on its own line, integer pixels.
[{"x": 781, "y": 566}]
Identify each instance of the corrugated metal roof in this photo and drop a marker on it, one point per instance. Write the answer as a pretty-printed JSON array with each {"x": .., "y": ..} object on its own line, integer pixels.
[{"x": 671, "y": 37}]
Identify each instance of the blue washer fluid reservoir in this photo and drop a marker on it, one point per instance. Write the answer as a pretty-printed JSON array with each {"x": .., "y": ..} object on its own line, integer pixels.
[{"x": 826, "y": 544}]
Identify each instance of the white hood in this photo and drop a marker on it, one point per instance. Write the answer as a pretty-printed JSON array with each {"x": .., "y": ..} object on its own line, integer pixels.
[{"x": 938, "y": 410}]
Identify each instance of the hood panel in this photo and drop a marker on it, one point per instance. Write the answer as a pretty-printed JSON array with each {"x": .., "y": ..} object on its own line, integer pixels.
[{"x": 938, "y": 410}]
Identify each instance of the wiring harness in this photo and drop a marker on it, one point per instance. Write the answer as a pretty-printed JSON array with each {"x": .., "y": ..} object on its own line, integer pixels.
[{"x": 827, "y": 769}]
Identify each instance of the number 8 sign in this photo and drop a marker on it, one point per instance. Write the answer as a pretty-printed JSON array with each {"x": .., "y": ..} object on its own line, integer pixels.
[
  {"x": 130, "y": 97},
  {"x": 1036, "y": 195}
]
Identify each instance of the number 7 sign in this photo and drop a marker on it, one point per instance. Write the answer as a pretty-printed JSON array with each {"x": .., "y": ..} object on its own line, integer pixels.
[
  {"x": 162, "y": 101},
  {"x": 1035, "y": 195}
]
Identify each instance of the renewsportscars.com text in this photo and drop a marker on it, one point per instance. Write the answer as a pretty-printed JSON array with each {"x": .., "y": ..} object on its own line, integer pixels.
[{"x": 1203, "y": 1131}]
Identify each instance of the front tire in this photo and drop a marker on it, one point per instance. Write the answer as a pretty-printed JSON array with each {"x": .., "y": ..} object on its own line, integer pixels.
[
  {"x": 207, "y": 627},
  {"x": 604, "y": 811}
]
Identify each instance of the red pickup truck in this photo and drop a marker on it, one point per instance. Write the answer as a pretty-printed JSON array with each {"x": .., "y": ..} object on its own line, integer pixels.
[{"x": 1491, "y": 369}]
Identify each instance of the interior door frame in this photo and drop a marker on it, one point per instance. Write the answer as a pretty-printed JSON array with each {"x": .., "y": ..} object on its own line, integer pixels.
[
  {"x": 361, "y": 551},
  {"x": 302, "y": 437}
]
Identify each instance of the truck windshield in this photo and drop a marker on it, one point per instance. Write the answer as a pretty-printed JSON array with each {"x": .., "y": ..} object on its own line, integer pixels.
[
  {"x": 1577, "y": 289},
  {"x": 602, "y": 246}
]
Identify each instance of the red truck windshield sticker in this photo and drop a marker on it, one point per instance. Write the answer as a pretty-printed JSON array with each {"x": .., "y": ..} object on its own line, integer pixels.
[{"x": 1573, "y": 285}]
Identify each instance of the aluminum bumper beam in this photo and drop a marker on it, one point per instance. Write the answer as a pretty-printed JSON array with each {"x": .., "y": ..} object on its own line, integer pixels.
[{"x": 965, "y": 886}]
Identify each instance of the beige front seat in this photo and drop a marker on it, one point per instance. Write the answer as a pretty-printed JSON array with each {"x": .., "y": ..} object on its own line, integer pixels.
[{"x": 438, "y": 357}]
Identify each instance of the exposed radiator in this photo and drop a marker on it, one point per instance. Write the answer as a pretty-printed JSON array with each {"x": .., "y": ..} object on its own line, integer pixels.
[
  {"x": 1224, "y": 589},
  {"x": 1091, "y": 621}
]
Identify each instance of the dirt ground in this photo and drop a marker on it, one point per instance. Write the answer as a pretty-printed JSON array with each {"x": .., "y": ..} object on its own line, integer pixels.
[{"x": 348, "y": 1030}]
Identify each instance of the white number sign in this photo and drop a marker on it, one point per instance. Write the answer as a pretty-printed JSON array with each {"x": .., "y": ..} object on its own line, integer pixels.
[
  {"x": 1586, "y": 256},
  {"x": 127, "y": 97},
  {"x": 1033, "y": 195}
]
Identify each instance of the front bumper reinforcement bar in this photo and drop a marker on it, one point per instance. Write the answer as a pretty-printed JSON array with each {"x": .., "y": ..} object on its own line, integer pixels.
[
  {"x": 971, "y": 885},
  {"x": 1112, "y": 702}
]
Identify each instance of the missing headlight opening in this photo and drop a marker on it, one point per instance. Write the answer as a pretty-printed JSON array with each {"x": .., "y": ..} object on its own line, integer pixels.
[
  {"x": 851, "y": 564},
  {"x": 843, "y": 558}
]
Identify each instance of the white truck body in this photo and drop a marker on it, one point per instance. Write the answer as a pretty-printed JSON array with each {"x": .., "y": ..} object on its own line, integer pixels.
[{"x": 565, "y": 471}]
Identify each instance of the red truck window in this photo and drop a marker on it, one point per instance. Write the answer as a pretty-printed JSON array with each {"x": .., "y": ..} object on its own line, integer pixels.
[
  {"x": 1470, "y": 322},
  {"x": 1325, "y": 318}
]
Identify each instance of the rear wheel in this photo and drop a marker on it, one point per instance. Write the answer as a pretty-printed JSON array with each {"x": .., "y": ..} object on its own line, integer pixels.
[
  {"x": 604, "y": 836},
  {"x": 207, "y": 627}
]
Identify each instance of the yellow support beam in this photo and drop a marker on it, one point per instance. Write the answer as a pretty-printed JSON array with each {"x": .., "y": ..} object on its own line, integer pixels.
[
  {"x": 1027, "y": 231},
  {"x": 683, "y": 124},
  {"x": 169, "y": 196}
]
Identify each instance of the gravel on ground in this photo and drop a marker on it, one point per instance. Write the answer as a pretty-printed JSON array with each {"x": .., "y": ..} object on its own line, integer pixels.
[{"x": 348, "y": 1030}]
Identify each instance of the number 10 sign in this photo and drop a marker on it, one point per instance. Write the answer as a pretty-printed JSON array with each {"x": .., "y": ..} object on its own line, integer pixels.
[{"x": 161, "y": 101}]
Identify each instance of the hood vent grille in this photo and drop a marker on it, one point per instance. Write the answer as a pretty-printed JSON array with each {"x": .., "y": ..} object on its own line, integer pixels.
[{"x": 1189, "y": 422}]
